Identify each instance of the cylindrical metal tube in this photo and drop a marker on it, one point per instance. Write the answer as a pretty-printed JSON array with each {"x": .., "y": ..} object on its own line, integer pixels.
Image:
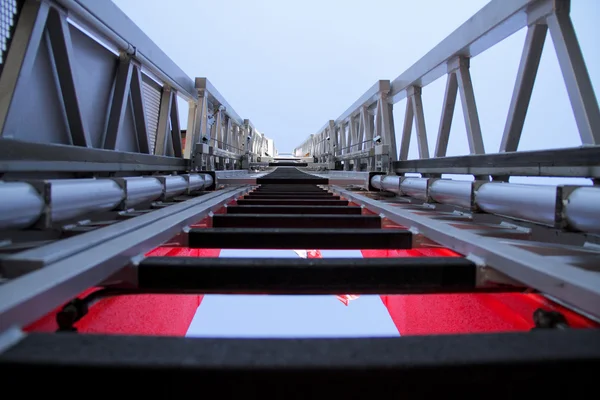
[
  {"x": 20, "y": 205},
  {"x": 70, "y": 198},
  {"x": 174, "y": 185},
  {"x": 582, "y": 209},
  {"x": 415, "y": 187},
  {"x": 391, "y": 184},
  {"x": 195, "y": 182},
  {"x": 208, "y": 180},
  {"x": 140, "y": 190},
  {"x": 528, "y": 202},
  {"x": 457, "y": 193},
  {"x": 376, "y": 182}
]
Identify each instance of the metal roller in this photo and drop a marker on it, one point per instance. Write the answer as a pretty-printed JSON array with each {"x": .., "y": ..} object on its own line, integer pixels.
[
  {"x": 195, "y": 182},
  {"x": 20, "y": 205},
  {"x": 391, "y": 184},
  {"x": 527, "y": 202},
  {"x": 376, "y": 182},
  {"x": 173, "y": 185},
  {"x": 140, "y": 190},
  {"x": 457, "y": 193},
  {"x": 208, "y": 180},
  {"x": 582, "y": 209},
  {"x": 415, "y": 187},
  {"x": 70, "y": 198}
]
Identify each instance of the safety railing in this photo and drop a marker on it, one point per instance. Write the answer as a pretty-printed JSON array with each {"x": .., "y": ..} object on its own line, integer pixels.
[
  {"x": 114, "y": 119},
  {"x": 371, "y": 115}
]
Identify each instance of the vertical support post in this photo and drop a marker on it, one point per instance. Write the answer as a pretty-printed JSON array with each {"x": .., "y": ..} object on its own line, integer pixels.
[
  {"x": 441, "y": 145},
  {"x": 62, "y": 49},
  {"x": 467, "y": 96},
  {"x": 417, "y": 103},
  {"x": 528, "y": 67},
  {"x": 342, "y": 132},
  {"x": 175, "y": 127},
  {"x": 407, "y": 129},
  {"x": 160, "y": 146},
  {"x": 388, "y": 129},
  {"x": 192, "y": 136},
  {"x": 120, "y": 100},
  {"x": 576, "y": 76},
  {"x": 352, "y": 134},
  {"x": 21, "y": 56},
  {"x": 139, "y": 114},
  {"x": 334, "y": 142}
]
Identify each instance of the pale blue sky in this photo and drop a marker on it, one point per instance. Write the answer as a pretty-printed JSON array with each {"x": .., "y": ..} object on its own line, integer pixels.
[{"x": 290, "y": 66}]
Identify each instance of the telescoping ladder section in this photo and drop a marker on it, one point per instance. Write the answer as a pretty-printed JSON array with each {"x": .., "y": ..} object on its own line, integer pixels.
[{"x": 307, "y": 214}]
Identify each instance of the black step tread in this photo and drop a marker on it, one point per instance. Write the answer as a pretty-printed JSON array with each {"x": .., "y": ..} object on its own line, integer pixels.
[
  {"x": 291, "y": 175},
  {"x": 308, "y": 276},
  {"x": 290, "y": 193},
  {"x": 296, "y": 221},
  {"x": 282, "y": 238},
  {"x": 354, "y": 210},
  {"x": 292, "y": 196},
  {"x": 532, "y": 364},
  {"x": 299, "y": 202}
]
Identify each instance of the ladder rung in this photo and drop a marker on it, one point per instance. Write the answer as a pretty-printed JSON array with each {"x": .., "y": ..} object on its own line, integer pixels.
[
  {"x": 294, "y": 181},
  {"x": 274, "y": 238},
  {"x": 290, "y": 188},
  {"x": 292, "y": 202},
  {"x": 290, "y": 193},
  {"x": 296, "y": 221},
  {"x": 346, "y": 368},
  {"x": 325, "y": 196},
  {"x": 316, "y": 276},
  {"x": 354, "y": 210}
]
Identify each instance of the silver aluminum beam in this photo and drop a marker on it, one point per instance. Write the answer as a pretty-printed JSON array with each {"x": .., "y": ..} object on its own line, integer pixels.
[
  {"x": 111, "y": 22},
  {"x": 492, "y": 24},
  {"x": 29, "y": 297},
  {"x": 573, "y": 285},
  {"x": 215, "y": 96},
  {"x": 19, "y": 156},
  {"x": 357, "y": 154},
  {"x": 344, "y": 177}
]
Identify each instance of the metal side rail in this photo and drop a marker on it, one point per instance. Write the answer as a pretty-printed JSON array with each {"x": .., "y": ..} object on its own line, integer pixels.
[
  {"x": 528, "y": 364},
  {"x": 59, "y": 277},
  {"x": 572, "y": 280}
]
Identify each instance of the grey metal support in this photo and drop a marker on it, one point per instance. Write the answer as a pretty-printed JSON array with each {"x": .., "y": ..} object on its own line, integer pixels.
[
  {"x": 417, "y": 103},
  {"x": 21, "y": 56},
  {"x": 447, "y": 115},
  {"x": 139, "y": 114},
  {"x": 175, "y": 129},
  {"x": 166, "y": 101},
  {"x": 530, "y": 61},
  {"x": 414, "y": 109},
  {"x": 387, "y": 122},
  {"x": 119, "y": 102},
  {"x": 467, "y": 96},
  {"x": 62, "y": 48},
  {"x": 406, "y": 129},
  {"x": 191, "y": 134},
  {"x": 577, "y": 79}
]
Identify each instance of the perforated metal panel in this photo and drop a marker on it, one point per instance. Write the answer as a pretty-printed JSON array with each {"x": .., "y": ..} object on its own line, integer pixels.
[
  {"x": 8, "y": 19},
  {"x": 151, "y": 93}
]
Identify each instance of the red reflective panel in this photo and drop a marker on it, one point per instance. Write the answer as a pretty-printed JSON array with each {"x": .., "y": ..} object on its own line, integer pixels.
[{"x": 465, "y": 313}]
